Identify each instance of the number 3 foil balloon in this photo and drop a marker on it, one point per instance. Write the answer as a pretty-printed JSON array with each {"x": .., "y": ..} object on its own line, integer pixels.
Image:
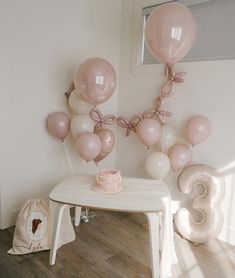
[{"x": 208, "y": 204}]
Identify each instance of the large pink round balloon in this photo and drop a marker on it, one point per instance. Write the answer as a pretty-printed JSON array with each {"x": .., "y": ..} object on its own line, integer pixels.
[
  {"x": 57, "y": 124},
  {"x": 180, "y": 156},
  {"x": 198, "y": 128},
  {"x": 88, "y": 146},
  {"x": 170, "y": 32},
  {"x": 149, "y": 131},
  {"x": 95, "y": 80}
]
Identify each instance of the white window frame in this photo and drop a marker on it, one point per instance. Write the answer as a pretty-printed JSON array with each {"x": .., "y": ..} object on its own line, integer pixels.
[{"x": 137, "y": 48}]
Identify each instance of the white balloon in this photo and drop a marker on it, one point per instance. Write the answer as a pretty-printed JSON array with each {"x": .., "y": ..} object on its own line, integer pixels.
[
  {"x": 80, "y": 124},
  {"x": 168, "y": 138},
  {"x": 77, "y": 104},
  {"x": 157, "y": 165}
]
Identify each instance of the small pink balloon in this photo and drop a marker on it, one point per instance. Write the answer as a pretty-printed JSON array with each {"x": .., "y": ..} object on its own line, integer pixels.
[
  {"x": 107, "y": 139},
  {"x": 180, "y": 156},
  {"x": 57, "y": 124},
  {"x": 95, "y": 79},
  {"x": 170, "y": 32},
  {"x": 198, "y": 128},
  {"x": 88, "y": 146},
  {"x": 149, "y": 131}
]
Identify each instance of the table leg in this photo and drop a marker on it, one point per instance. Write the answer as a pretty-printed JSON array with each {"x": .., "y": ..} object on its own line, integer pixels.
[
  {"x": 153, "y": 222},
  {"x": 161, "y": 230},
  {"x": 77, "y": 216},
  {"x": 56, "y": 231}
]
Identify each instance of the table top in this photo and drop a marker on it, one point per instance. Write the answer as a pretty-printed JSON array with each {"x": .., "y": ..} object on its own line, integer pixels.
[{"x": 138, "y": 195}]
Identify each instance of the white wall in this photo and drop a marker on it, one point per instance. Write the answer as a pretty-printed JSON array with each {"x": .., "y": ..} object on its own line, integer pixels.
[
  {"x": 41, "y": 44},
  {"x": 209, "y": 90}
]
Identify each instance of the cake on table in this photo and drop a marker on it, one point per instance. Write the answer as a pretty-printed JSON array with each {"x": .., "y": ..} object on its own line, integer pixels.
[{"x": 109, "y": 181}]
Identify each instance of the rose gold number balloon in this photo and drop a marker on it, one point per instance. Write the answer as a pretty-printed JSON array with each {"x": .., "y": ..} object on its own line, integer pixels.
[
  {"x": 95, "y": 80},
  {"x": 208, "y": 204},
  {"x": 170, "y": 32}
]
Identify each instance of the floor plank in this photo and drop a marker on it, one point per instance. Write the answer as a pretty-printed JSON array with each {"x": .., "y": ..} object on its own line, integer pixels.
[
  {"x": 115, "y": 245},
  {"x": 128, "y": 266}
]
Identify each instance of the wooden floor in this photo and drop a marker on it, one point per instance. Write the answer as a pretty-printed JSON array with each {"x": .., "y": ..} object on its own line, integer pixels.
[{"x": 115, "y": 245}]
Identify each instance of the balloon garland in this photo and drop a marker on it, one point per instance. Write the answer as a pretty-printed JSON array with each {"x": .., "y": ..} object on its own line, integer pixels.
[
  {"x": 95, "y": 82},
  {"x": 157, "y": 112}
]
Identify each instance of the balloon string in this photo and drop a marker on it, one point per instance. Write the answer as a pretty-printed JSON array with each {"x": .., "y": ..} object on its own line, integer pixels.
[
  {"x": 97, "y": 168},
  {"x": 68, "y": 157},
  {"x": 166, "y": 91},
  {"x": 163, "y": 147},
  {"x": 186, "y": 158}
]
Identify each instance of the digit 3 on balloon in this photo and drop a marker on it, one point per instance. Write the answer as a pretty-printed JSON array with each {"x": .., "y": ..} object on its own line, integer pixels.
[{"x": 208, "y": 204}]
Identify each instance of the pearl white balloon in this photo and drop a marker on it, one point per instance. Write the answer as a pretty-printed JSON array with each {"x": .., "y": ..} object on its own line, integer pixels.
[
  {"x": 168, "y": 138},
  {"x": 157, "y": 165},
  {"x": 80, "y": 124},
  {"x": 77, "y": 104}
]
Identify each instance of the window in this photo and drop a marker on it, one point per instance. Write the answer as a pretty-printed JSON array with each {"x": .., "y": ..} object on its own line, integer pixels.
[{"x": 215, "y": 30}]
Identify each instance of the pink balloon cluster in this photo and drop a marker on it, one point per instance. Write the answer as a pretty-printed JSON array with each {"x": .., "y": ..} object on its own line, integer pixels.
[
  {"x": 197, "y": 130},
  {"x": 95, "y": 81},
  {"x": 169, "y": 41},
  {"x": 179, "y": 156}
]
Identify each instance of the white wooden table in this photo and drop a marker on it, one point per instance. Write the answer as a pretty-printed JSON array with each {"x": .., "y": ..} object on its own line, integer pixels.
[{"x": 139, "y": 195}]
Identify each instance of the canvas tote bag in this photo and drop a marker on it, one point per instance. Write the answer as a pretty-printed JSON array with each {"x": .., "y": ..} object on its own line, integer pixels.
[{"x": 33, "y": 231}]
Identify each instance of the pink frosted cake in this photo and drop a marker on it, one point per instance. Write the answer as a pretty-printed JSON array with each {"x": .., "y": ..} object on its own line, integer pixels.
[{"x": 109, "y": 181}]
